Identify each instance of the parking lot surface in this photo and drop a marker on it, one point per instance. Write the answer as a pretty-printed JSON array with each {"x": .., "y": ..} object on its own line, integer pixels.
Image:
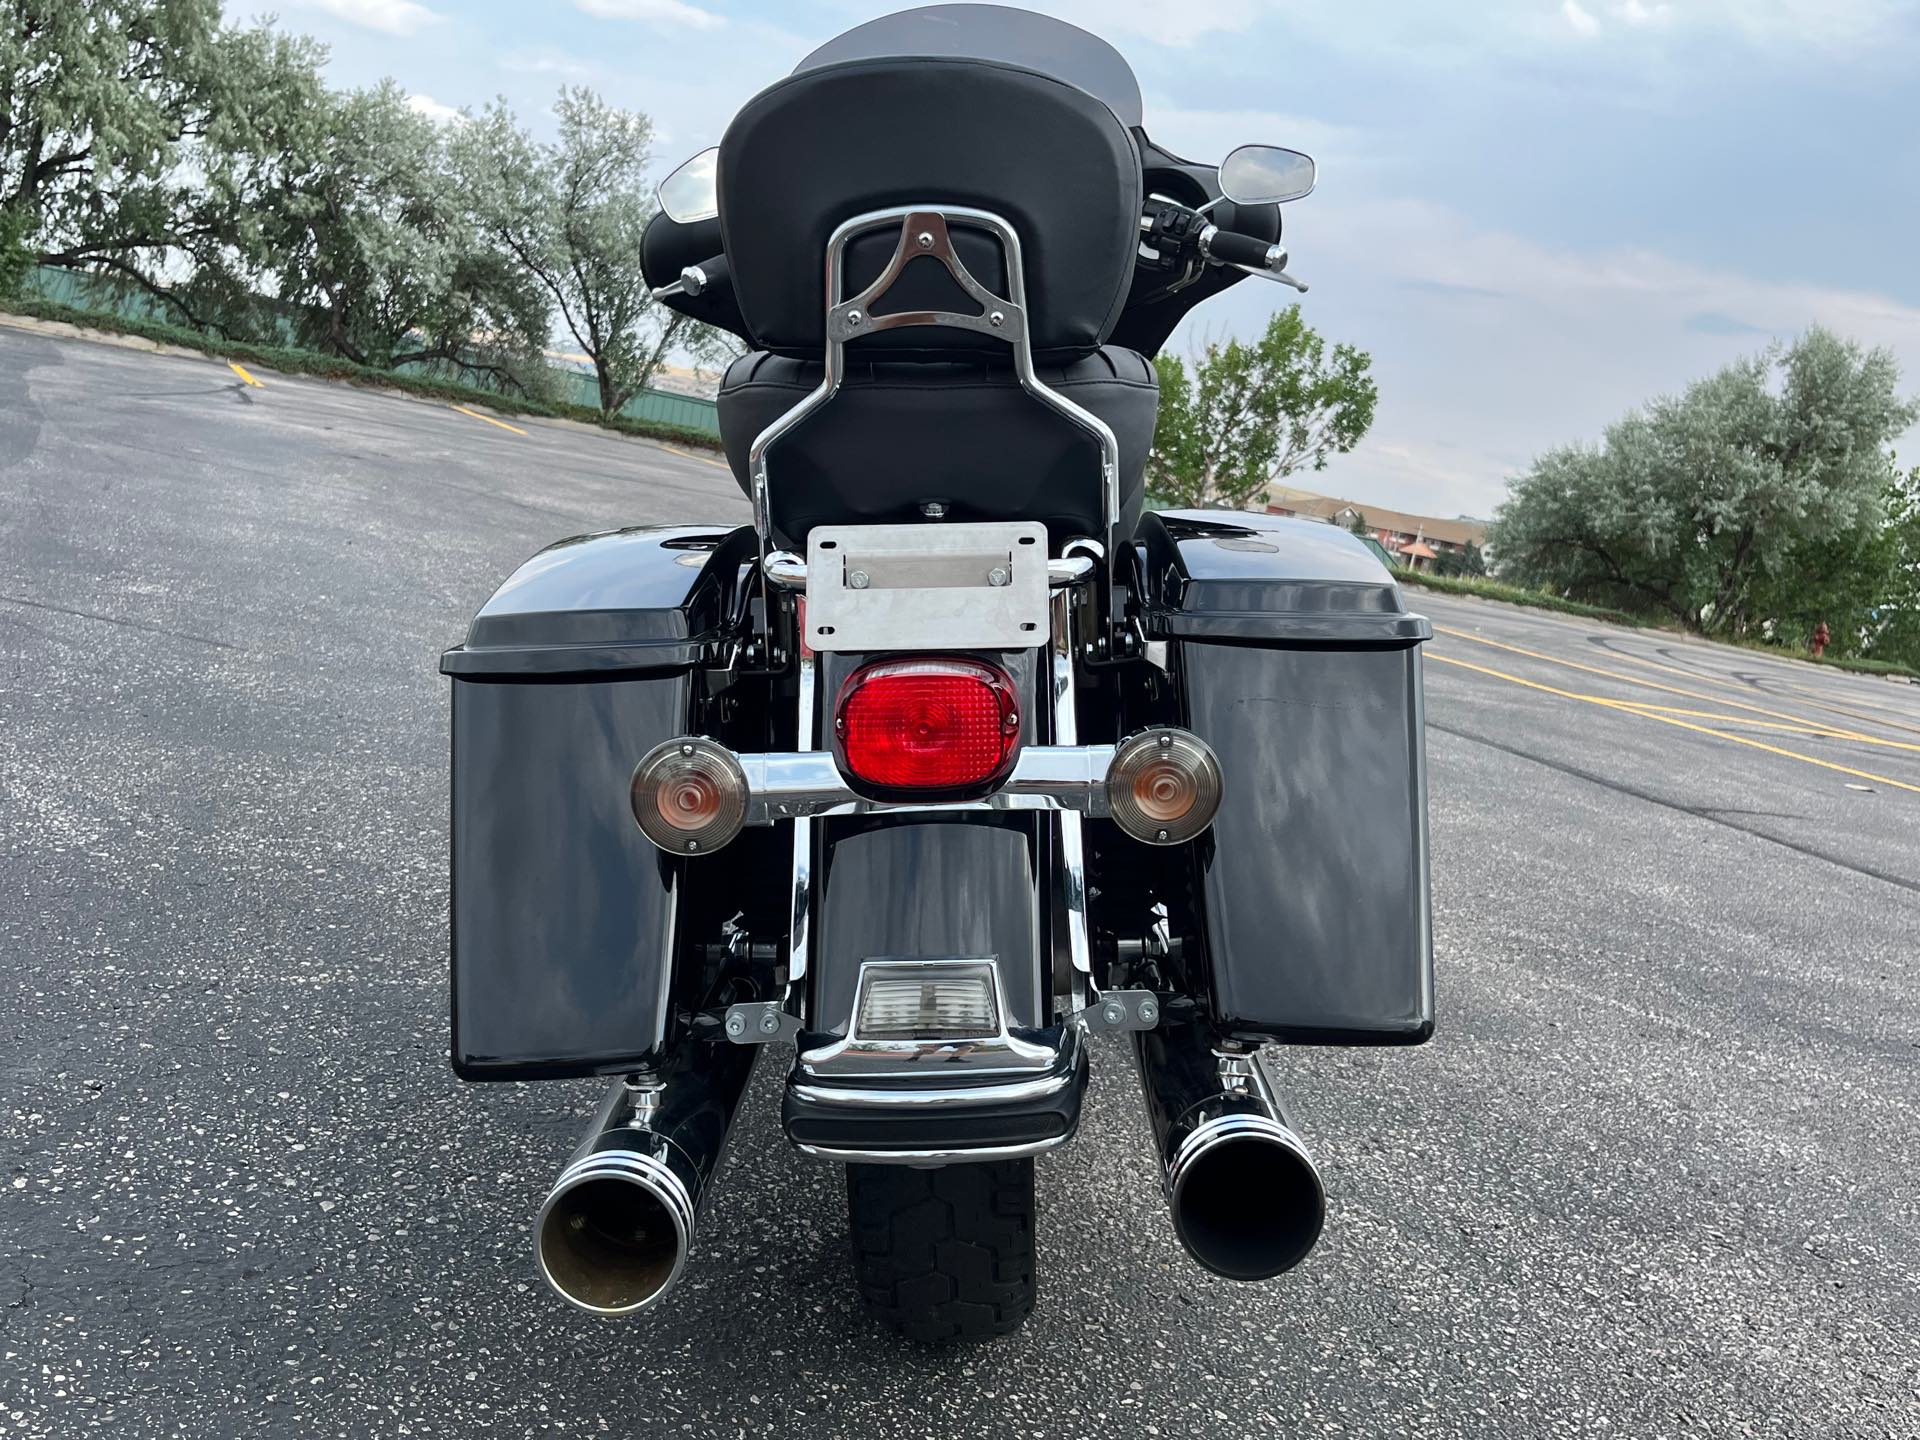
[{"x": 1655, "y": 1175}]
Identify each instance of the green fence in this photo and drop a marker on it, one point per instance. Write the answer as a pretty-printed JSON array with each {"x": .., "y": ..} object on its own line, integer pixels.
[{"x": 112, "y": 295}]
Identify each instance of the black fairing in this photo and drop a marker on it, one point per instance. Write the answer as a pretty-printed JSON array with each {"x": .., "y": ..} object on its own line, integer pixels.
[
  {"x": 1295, "y": 658},
  {"x": 566, "y": 920},
  {"x": 825, "y": 145}
]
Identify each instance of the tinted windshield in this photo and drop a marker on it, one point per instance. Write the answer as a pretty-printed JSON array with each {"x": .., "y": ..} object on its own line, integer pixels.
[{"x": 994, "y": 32}]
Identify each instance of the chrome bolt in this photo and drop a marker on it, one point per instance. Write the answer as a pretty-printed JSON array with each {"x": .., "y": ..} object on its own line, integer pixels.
[
  {"x": 1160, "y": 835},
  {"x": 934, "y": 509},
  {"x": 686, "y": 749},
  {"x": 998, "y": 576},
  {"x": 769, "y": 1024},
  {"x": 1149, "y": 1012},
  {"x": 1165, "y": 741},
  {"x": 859, "y": 579},
  {"x": 693, "y": 845},
  {"x": 924, "y": 239},
  {"x": 854, "y": 317},
  {"x": 997, "y": 319},
  {"x": 736, "y": 1025}
]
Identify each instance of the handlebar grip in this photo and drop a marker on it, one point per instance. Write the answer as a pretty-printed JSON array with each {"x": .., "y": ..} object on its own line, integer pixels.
[{"x": 1223, "y": 247}]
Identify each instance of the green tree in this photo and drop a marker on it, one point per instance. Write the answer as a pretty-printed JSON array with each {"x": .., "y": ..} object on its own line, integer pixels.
[
  {"x": 365, "y": 231},
  {"x": 571, "y": 215},
  {"x": 1244, "y": 416},
  {"x": 1470, "y": 561},
  {"x": 116, "y": 115},
  {"x": 1696, "y": 504}
]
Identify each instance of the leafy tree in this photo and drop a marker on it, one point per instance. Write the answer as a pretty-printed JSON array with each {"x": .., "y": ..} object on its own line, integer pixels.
[
  {"x": 114, "y": 113},
  {"x": 1696, "y": 504},
  {"x": 16, "y": 256},
  {"x": 365, "y": 231},
  {"x": 1470, "y": 561},
  {"x": 571, "y": 215},
  {"x": 1246, "y": 416}
]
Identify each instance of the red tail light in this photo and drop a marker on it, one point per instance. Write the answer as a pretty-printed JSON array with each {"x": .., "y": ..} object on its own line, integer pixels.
[{"x": 927, "y": 725}]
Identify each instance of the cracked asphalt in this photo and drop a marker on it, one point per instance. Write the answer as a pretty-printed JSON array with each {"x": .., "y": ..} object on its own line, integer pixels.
[{"x": 1655, "y": 1176}]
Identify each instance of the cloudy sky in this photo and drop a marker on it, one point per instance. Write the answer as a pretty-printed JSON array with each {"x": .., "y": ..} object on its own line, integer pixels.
[{"x": 1534, "y": 213}]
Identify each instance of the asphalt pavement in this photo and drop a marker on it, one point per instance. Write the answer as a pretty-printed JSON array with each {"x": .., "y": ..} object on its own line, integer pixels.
[{"x": 1655, "y": 1175}]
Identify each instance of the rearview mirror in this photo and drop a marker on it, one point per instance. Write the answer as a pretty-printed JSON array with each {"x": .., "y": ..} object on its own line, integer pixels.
[
  {"x": 693, "y": 191},
  {"x": 1266, "y": 175}
]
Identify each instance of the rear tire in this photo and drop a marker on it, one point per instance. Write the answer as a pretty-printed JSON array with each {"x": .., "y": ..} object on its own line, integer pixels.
[{"x": 944, "y": 1255}]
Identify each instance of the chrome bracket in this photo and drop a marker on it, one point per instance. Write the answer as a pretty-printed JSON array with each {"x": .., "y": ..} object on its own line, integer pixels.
[
  {"x": 1119, "y": 1010},
  {"x": 758, "y": 1021}
]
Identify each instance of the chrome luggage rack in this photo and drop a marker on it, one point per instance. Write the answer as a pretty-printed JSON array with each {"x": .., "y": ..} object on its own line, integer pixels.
[{"x": 924, "y": 233}]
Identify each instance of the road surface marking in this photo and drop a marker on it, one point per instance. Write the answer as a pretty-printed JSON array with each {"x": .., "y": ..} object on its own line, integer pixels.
[
  {"x": 1812, "y": 697},
  {"x": 1656, "y": 685},
  {"x": 241, "y": 372},
  {"x": 703, "y": 459},
  {"x": 488, "y": 418},
  {"x": 1628, "y": 707}
]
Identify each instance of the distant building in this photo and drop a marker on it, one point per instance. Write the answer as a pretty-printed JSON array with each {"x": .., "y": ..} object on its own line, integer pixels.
[{"x": 1416, "y": 540}]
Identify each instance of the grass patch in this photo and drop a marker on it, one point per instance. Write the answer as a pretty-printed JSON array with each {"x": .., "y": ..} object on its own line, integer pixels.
[
  {"x": 1858, "y": 664},
  {"x": 290, "y": 361},
  {"x": 1518, "y": 595}
]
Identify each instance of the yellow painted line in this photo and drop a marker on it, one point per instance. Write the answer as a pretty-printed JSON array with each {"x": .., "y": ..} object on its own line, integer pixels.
[
  {"x": 1656, "y": 685},
  {"x": 240, "y": 370},
  {"x": 1628, "y": 707},
  {"x": 1818, "y": 701},
  {"x": 488, "y": 418},
  {"x": 689, "y": 455}
]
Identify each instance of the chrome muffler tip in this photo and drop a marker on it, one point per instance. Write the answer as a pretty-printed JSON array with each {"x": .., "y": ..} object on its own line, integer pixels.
[
  {"x": 615, "y": 1231},
  {"x": 1247, "y": 1200}
]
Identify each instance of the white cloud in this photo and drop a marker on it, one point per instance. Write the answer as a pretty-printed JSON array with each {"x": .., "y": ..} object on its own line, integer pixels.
[
  {"x": 1490, "y": 347},
  {"x": 1581, "y": 20},
  {"x": 1638, "y": 14},
  {"x": 391, "y": 17},
  {"x": 662, "y": 12},
  {"x": 431, "y": 108}
]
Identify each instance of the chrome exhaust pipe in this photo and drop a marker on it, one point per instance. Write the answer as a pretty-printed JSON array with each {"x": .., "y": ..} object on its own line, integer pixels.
[
  {"x": 616, "y": 1229},
  {"x": 1246, "y": 1197}
]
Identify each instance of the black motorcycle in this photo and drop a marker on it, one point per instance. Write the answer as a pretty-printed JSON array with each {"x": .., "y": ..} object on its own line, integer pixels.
[{"x": 959, "y": 755}]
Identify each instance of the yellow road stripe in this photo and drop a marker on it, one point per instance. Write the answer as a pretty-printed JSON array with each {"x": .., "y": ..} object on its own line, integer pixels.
[
  {"x": 488, "y": 418},
  {"x": 1819, "y": 702},
  {"x": 241, "y": 372},
  {"x": 689, "y": 455},
  {"x": 1628, "y": 707},
  {"x": 1656, "y": 685}
]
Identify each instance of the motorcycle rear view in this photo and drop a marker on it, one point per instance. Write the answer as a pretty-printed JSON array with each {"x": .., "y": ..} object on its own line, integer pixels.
[{"x": 959, "y": 756}]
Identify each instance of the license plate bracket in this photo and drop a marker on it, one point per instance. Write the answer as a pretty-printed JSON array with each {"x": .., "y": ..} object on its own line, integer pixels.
[{"x": 938, "y": 586}]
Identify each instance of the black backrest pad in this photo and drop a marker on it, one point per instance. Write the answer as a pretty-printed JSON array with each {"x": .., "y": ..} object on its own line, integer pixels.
[{"x": 823, "y": 146}]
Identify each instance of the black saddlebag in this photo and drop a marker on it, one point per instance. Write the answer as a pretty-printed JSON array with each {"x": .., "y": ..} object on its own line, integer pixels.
[
  {"x": 1294, "y": 656},
  {"x": 564, "y": 915}
]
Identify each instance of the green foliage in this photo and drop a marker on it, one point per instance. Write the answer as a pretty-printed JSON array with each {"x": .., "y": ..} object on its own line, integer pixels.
[
  {"x": 1758, "y": 492},
  {"x": 213, "y": 167},
  {"x": 1246, "y": 416},
  {"x": 17, "y": 255},
  {"x": 1470, "y": 562},
  {"x": 570, "y": 215}
]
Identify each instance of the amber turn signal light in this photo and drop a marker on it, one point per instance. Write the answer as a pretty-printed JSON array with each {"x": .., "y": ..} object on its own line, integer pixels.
[
  {"x": 1163, "y": 786},
  {"x": 690, "y": 796}
]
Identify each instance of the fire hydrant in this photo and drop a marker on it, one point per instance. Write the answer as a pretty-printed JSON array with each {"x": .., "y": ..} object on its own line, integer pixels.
[{"x": 1821, "y": 635}]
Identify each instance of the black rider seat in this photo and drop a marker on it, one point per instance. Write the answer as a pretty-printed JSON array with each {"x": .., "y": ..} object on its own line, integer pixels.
[{"x": 960, "y": 433}]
